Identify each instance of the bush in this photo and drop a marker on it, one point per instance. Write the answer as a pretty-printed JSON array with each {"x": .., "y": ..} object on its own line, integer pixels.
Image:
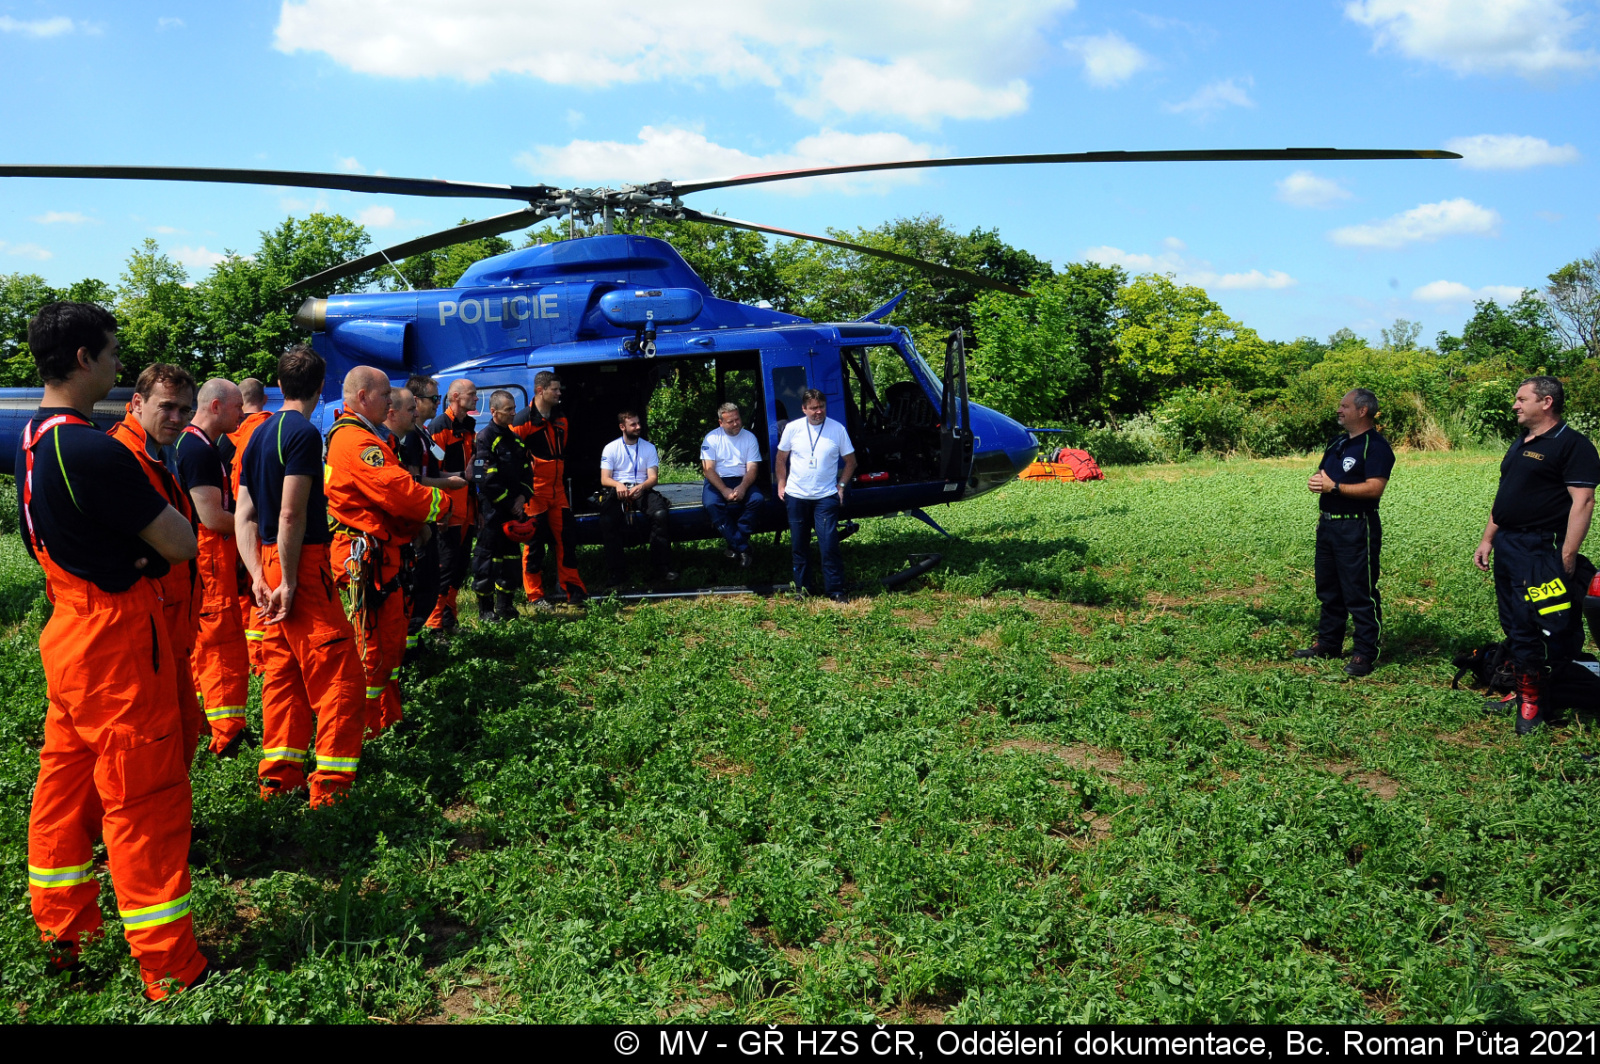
[
  {"x": 10, "y": 516},
  {"x": 1134, "y": 442},
  {"x": 1209, "y": 422},
  {"x": 1408, "y": 385},
  {"x": 1486, "y": 408}
]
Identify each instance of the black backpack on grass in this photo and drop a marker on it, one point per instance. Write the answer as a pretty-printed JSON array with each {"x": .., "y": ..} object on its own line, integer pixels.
[{"x": 1490, "y": 666}]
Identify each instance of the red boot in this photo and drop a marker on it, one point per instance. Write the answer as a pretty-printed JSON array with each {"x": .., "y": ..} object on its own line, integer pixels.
[{"x": 1531, "y": 714}]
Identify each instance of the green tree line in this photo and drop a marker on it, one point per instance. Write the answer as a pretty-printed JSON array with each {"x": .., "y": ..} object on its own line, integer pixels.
[{"x": 1138, "y": 367}]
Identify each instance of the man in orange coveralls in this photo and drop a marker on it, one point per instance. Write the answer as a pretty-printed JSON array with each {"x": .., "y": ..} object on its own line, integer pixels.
[
  {"x": 162, "y": 404},
  {"x": 254, "y": 397},
  {"x": 312, "y": 663},
  {"x": 543, "y": 428},
  {"x": 221, "y": 660},
  {"x": 376, "y": 508},
  {"x": 112, "y": 763}
]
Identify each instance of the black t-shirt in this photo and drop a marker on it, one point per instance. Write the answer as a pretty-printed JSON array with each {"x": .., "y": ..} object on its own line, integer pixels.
[
  {"x": 416, "y": 452},
  {"x": 1352, "y": 460},
  {"x": 285, "y": 445},
  {"x": 1535, "y": 475},
  {"x": 200, "y": 465},
  {"x": 90, "y": 501}
]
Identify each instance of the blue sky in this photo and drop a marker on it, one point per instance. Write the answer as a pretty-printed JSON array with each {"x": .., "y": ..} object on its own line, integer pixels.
[{"x": 509, "y": 91}]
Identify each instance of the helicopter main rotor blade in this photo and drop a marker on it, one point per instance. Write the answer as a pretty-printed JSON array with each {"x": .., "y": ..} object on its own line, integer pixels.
[
  {"x": 500, "y": 223},
  {"x": 1226, "y": 155},
  {"x": 969, "y": 277},
  {"x": 399, "y": 186}
]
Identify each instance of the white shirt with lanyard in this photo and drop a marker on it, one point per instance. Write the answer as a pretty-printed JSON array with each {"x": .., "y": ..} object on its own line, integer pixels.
[
  {"x": 629, "y": 463},
  {"x": 815, "y": 452}
]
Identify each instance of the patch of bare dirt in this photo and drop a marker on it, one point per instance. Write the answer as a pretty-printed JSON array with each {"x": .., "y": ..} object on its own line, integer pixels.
[
  {"x": 1080, "y": 756},
  {"x": 719, "y": 767},
  {"x": 464, "y": 1003},
  {"x": 917, "y": 618},
  {"x": 1385, "y": 787},
  {"x": 699, "y": 1006}
]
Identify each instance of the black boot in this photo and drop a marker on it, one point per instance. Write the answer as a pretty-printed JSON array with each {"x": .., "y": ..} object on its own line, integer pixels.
[
  {"x": 504, "y": 608},
  {"x": 1317, "y": 649}
]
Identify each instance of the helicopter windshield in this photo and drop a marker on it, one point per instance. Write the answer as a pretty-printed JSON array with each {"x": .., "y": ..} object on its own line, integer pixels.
[{"x": 930, "y": 380}]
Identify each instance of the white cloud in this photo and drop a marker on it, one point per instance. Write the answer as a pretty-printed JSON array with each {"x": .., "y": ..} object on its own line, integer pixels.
[
  {"x": 1506, "y": 151},
  {"x": 380, "y": 218},
  {"x": 349, "y": 164},
  {"x": 688, "y": 155},
  {"x": 200, "y": 258},
  {"x": 1456, "y": 292},
  {"x": 42, "y": 27},
  {"x": 1305, "y": 189},
  {"x": 1214, "y": 97},
  {"x": 25, "y": 251},
  {"x": 1108, "y": 60},
  {"x": 1421, "y": 225},
  {"x": 953, "y": 59},
  {"x": 1527, "y": 37},
  {"x": 62, "y": 218},
  {"x": 169, "y": 23},
  {"x": 164, "y": 230},
  {"x": 904, "y": 88},
  {"x": 1186, "y": 270}
]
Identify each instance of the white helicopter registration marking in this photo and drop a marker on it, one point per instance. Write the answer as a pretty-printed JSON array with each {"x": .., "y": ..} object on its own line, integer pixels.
[{"x": 514, "y": 308}]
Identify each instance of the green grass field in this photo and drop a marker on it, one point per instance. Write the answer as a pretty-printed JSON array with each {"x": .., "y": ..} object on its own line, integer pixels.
[{"x": 1071, "y": 776}]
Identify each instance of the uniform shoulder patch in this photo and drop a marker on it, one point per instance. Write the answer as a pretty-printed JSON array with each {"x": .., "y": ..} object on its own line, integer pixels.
[{"x": 373, "y": 456}]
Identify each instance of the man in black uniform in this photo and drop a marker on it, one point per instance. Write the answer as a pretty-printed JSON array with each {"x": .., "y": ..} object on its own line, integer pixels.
[
  {"x": 420, "y": 456},
  {"x": 1355, "y": 469},
  {"x": 1541, "y": 514},
  {"x": 500, "y": 473}
]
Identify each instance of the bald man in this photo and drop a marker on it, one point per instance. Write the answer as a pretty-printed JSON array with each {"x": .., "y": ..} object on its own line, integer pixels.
[
  {"x": 375, "y": 507},
  {"x": 221, "y": 657},
  {"x": 453, "y": 432},
  {"x": 253, "y": 396}
]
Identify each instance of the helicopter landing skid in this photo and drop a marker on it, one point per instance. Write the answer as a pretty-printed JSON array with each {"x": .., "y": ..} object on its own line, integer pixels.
[{"x": 764, "y": 590}]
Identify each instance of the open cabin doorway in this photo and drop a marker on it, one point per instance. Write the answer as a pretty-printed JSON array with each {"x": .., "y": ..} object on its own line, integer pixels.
[{"x": 676, "y": 398}]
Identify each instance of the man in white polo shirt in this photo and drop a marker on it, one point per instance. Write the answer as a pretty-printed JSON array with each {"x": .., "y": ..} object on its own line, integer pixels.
[
  {"x": 629, "y": 469},
  {"x": 729, "y": 458},
  {"x": 815, "y": 463}
]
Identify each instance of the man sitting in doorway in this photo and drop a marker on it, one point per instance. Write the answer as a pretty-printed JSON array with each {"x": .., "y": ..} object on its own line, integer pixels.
[
  {"x": 729, "y": 458},
  {"x": 629, "y": 469}
]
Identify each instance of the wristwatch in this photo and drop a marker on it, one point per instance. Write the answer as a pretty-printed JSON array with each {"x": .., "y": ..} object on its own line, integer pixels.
[{"x": 1335, "y": 490}]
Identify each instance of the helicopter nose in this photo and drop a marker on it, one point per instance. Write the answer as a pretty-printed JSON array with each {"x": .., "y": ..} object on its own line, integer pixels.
[{"x": 312, "y": 315}]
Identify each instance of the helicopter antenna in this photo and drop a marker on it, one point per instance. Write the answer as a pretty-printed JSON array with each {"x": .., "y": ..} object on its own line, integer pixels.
[{"x": 397, "y": 272}]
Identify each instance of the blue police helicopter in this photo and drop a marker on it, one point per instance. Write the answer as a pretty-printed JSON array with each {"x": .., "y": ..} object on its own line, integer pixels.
[{"x": 613, "y": 314}]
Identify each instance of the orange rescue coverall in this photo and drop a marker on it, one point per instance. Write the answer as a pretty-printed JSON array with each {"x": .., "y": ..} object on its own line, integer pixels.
[
  {"x": 375, "y": 507},
  {"x": 180, "y": 588},
  {"x": 546, "y": 439},
  {"x": 253, "y": 633},
  {"x": 221, "y": 656},
  {"x": 112, "y": 765}
]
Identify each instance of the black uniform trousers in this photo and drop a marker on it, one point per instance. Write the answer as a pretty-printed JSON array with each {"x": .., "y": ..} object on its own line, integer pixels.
[
  {"x": 650, "y": 507},
  {"x": 496, "y": 561},
  {"x": 1540, "y": 605},
  {"x": 424, "y": 580},
  {"x": 1348, "y": 546},
  {"x": 455, "y": 553}
]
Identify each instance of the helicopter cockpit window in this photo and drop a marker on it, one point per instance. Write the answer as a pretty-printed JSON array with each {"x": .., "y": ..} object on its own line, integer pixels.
[
  {"x": 889, "y": 416},
  {"x": 487, "y": 390}
]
